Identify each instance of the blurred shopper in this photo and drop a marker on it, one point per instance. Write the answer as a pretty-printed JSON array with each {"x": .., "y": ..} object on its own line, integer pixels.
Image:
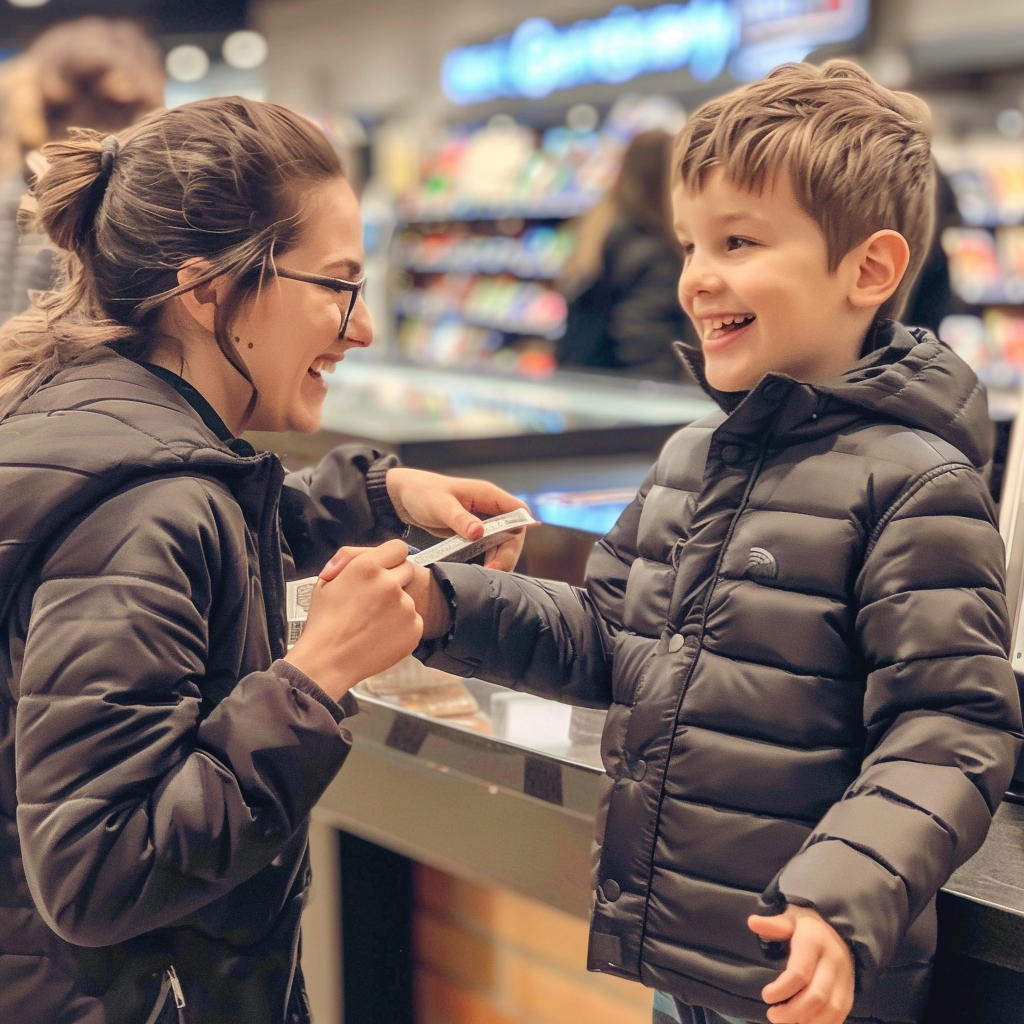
[
  {"x": 623, "y": 279},
  {"x": 160, "y": 748},
  {"x": 932, "y": 298},
  {"x": 92, "y": 73}
]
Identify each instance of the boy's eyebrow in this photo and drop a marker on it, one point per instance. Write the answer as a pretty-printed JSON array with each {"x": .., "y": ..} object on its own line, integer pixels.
[{"x": 735, "y": 216}]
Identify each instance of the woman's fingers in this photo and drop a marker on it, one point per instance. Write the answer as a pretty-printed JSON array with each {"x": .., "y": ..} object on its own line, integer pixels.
[{"x": 389, "y": 554}]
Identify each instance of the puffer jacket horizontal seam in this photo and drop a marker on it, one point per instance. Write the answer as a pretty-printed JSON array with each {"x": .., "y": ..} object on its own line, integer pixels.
[
  {"x": 668, "y": 868},
  {"x": 802, "y": 591},
  {"x": 791, "y": 511},
  {"x": 898, "y": 798},
  {"x": 740, "y": 660},
  {"x": 162, "y": 442},
  {"x": 789, "y": 745},
  {"x": 740, "y": 810},
  {"x": 915, "y": 485},
  {"x": 924, "y": 589},
  {"x": 865, "y": 850},
  {"x": 881, "y": 666}
]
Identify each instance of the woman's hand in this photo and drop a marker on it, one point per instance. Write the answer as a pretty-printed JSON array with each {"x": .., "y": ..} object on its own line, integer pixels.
[
  {"x": 361, "y": 621},
  {"x": 817, "y": 985},
  {"x": 443, "y": 505}
]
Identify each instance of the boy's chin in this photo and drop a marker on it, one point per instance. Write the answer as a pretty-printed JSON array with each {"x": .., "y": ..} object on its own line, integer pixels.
[{"x": 730, "y": 381}]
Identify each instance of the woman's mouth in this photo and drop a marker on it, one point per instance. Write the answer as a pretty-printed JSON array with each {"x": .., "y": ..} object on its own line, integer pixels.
[
  {"x": 723, "y": 326},
  {"x": 321, "y": 365}
]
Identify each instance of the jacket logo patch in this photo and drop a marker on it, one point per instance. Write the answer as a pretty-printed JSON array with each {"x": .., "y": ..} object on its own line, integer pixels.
[{"x": 761, "y": 564}]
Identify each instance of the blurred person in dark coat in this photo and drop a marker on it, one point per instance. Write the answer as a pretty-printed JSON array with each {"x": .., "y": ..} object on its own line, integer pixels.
[
  {"x": 92, "y": 73},
  {"x": 622, "y": 281}
]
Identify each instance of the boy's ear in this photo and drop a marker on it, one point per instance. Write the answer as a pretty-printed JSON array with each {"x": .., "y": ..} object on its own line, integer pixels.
[
  {"x": 880, "y": 263},
  {"x": 201, "y": 301}
]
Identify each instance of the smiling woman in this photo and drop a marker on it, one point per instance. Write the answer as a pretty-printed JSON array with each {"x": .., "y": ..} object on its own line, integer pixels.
[{"x": 160, "y": 750}]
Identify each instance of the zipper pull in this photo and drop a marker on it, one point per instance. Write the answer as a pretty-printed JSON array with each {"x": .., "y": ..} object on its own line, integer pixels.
[{"x": 179, "y": 996}]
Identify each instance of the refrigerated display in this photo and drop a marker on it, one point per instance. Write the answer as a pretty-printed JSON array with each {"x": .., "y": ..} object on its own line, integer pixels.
[{"x": 445, "y": 418}]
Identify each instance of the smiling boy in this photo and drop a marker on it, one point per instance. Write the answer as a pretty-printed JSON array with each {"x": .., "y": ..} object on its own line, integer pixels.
[{"x": 799, "y": 625}]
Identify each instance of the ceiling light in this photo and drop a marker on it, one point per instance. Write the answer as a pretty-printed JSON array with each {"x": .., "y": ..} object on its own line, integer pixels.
[
  {"x": 245, "y": 50},
  {"x": 187, "y": 63}
]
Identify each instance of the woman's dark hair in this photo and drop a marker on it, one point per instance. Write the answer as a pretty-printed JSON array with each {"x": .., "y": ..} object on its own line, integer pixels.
[
  {"x": 642, "y": 187},
  {"x": 223, "y": 181}
]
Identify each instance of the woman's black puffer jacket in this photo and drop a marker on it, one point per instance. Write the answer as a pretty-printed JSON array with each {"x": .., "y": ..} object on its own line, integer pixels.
[
  {"x": 800, "y": 628},
  {"x": 157, "y": 764}
]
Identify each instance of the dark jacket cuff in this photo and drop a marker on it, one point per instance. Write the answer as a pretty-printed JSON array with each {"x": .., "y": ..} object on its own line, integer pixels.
[
  {"x": 380, "y": 501},
  {"x": 339, "y": 710}
]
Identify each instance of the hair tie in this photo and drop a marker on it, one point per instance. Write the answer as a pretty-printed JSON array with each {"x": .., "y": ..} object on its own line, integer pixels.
[{"x": 108, "y": 154}]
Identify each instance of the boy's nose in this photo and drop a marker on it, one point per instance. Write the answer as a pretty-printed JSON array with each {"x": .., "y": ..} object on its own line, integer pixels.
[{"x": 697, "y": 278}]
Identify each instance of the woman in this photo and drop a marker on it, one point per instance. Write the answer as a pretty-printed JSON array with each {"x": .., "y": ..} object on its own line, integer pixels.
[
  {"x": 622, "y": 281},
  {"x": 90, "y": 72},
  {"x": 160, "y": 750}
]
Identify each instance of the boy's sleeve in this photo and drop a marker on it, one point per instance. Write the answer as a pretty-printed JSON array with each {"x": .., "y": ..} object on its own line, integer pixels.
[
  {"x": 342, "y": 500},
  {"x": 942, "y": 718},
  {"x": 540, "y": 636}
]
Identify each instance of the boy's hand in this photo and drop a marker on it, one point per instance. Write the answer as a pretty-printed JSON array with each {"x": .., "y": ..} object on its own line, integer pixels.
[
  {"x": 443, "y": 505},
  {"x": 817, "y": 985},
  {"x": 430, "y": 602}
]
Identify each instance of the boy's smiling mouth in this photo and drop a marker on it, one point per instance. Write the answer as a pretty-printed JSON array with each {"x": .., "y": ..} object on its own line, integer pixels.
[{"x": 719, "y": 326}]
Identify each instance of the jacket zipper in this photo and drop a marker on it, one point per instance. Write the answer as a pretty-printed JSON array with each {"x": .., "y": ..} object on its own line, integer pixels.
[
  {"x": 755, "y": 472},
  {"x": 179, "y": 996}
]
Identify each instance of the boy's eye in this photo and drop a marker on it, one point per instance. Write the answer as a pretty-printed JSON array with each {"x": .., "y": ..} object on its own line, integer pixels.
[
  {"x": 687, "y": 250},
  {"x": 735, "y": 242}
]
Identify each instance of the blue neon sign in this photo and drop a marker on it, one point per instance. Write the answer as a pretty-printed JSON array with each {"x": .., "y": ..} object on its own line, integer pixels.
[{"x": 705, "y": 36}]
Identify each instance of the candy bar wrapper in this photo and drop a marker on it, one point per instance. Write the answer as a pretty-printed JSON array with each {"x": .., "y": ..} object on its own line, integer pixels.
[
  {"x": 453, "y": 549},
  {"x": 457, "y": 549}
]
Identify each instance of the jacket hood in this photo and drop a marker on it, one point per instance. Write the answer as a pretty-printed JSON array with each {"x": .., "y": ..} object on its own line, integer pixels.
[
  {"x": 100, "y": 425},
  {"x": 905, "y": 375}
]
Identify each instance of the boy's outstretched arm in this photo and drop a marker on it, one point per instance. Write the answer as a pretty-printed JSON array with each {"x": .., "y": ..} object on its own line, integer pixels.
[
  {"x": 539, "y": 636},
  {"x": 941, "y": 713}
]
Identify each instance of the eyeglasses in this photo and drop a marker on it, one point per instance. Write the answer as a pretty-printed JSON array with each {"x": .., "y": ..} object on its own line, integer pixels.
[{"x": 336, "y": 285}]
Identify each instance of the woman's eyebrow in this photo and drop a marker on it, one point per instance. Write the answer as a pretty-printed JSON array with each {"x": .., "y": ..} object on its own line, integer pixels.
[{"x": 349, "y": 268}]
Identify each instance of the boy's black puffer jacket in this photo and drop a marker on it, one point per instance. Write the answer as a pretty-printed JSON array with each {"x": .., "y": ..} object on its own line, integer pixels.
[
  {"x": 800, "y": 628},
  {"x": 157, "y": 765}
]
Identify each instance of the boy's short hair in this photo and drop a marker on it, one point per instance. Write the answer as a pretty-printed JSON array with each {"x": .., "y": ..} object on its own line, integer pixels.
[{"x": 858, "y": 155}]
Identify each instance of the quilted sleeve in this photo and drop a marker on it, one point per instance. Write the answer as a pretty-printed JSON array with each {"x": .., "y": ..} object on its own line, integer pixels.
[{"x": 941, "y": 713}]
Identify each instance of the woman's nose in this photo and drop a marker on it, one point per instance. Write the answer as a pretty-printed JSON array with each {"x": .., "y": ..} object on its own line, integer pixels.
[{"x": 360, "y": 325}]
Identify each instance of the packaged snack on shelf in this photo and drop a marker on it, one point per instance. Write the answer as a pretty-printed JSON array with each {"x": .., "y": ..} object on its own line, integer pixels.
[
  {"x": 1010, "y": 245},
  {"x": 974, "y": 267},
  {"x": 968, "y": 338},
  {"x": 1007, "y": 333}
]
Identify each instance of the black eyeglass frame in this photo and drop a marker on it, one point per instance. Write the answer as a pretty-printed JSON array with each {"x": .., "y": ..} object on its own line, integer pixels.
[{"x": 335, "y": 284}]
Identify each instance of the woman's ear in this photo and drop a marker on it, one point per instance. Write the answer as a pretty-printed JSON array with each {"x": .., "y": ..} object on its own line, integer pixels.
[
  {"x": 880, "y": 263},
  {"x": 200, "y": 301}
]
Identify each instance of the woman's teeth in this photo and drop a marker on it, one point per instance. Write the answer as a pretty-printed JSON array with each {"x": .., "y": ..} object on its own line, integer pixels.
[{"x": 322, "y": 365}]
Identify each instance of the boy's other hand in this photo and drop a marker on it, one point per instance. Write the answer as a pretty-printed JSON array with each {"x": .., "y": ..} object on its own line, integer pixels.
[
  {"x": 817, "y": 985},
  {"x": 443, "y": 505}
]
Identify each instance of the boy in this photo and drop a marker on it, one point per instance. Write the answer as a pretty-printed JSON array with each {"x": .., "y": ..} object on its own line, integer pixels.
[{"x": 799, "y": 624}]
